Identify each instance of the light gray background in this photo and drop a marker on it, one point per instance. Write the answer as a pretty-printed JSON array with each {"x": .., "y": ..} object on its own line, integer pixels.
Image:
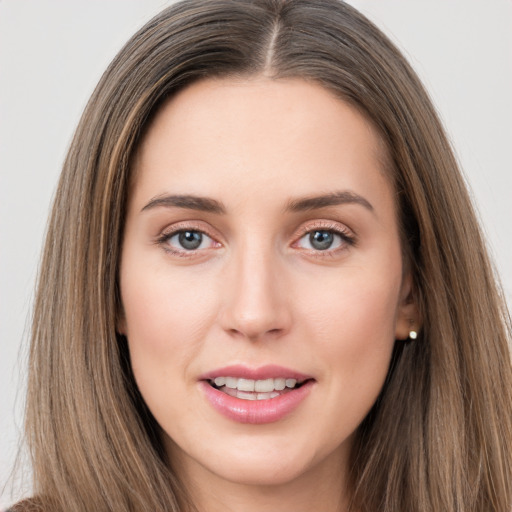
[{"x": 53, "y": 52}]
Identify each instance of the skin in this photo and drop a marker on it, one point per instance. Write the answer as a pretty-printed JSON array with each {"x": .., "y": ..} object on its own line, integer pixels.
[{"x": 257, "y": 291}]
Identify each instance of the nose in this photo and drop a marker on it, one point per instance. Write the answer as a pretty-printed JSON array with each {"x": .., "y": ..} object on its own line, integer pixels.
[{"x": 257, "y": 305}]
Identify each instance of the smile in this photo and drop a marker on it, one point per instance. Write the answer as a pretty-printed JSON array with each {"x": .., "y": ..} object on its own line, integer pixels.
[
  {"x": 264, "y": 395},
  {"x": 250, "y": 389}
]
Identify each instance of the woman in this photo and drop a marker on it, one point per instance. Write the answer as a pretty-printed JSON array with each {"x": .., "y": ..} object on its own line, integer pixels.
[{"x": 264, "y": 286}]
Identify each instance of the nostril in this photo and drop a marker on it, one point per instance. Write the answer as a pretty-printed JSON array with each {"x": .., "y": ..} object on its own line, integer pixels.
[{"x": 253, "y": 332}]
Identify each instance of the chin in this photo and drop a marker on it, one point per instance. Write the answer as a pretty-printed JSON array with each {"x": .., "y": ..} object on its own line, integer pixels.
[{"x": 264, "y": 472}]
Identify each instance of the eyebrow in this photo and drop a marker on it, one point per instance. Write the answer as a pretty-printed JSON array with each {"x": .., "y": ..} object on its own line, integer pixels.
[
  {"x": 189, "y": 202},
  {"x": 207, "y": 204},
  {"x": 332, "y": 199}
]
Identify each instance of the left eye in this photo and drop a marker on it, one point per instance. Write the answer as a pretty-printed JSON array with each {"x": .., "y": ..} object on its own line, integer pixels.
[
  {"x": 189, "y": 240},
  {"x": 321, "y": 240}
]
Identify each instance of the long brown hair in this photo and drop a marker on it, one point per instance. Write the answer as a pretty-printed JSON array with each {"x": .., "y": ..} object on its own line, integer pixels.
[{"x": 439, "y": 437}]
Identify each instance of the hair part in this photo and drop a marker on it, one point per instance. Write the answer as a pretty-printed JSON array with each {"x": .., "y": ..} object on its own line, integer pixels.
[{"x": 442, "y": 426}]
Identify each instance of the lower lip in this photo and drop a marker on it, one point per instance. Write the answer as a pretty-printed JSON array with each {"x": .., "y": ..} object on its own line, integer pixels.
[{"x": 256, "y": 411}]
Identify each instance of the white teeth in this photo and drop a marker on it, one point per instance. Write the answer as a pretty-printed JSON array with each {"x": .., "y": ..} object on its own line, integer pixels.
[
  {"x": 220, "y": 381},
  {"x": 246, "y": 396},
  {"x": 290, "y": 383},
  {"x": 250, "y": 396},
  {"x": 264, "y": 386},
  {"x": 279, "y": 384},
  {"x": 267, "y": 396},
  {"x": 231, "y": 382},
  {"x": 246, "y": 385}
]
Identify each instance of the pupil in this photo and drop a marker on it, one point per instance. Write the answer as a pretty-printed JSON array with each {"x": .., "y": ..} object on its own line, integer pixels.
[
  {"x": 190, "y": 239},
  {"x": 321, "y": 240}
]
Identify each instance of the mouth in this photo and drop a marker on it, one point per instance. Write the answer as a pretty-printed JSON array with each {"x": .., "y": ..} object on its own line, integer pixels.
[
  {"x": 252, "y": 389},
  {"x": 256, "y": 395}
]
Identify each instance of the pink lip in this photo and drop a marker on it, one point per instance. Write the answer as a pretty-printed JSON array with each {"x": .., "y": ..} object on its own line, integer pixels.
[{"x": 256, "y": 411}]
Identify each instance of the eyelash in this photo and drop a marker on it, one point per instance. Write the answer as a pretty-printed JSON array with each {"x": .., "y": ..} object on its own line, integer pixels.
[
  {"x": 348, "y": 239},
  {"x": 163, "y": 239}
]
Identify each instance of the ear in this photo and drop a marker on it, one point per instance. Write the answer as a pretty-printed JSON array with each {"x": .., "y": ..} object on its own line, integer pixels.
[{"x": 407, "y": 314}]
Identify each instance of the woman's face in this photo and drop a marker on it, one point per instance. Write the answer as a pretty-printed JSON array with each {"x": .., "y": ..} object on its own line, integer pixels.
[{"x": 261, "y": 252}]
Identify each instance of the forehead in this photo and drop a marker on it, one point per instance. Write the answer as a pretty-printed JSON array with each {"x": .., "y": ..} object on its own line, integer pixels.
[{"x": 255, "y": 135}]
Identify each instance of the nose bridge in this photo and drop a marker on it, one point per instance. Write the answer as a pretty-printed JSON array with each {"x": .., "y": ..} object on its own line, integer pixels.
[{"x": 257, "y": 304}]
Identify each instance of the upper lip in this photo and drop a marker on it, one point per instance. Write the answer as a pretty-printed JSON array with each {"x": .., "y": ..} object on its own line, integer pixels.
[{"x": 269, "y": 371}]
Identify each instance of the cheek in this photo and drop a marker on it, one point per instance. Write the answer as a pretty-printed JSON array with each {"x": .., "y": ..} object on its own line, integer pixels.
[
  {"x": 353, "y": 323},
  {"x": 165, "y": 316},
  {"x": 166, "y": 319},
  {"x": 358, "y": 308}
]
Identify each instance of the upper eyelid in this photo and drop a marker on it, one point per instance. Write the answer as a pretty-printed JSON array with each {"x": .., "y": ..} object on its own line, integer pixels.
[
  {"x": 178, "y": 227},
  {"x": 327, "y": 225}
]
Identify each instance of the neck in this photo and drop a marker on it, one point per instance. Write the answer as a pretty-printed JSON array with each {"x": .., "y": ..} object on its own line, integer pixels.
[{"x": 320, "y": 488}]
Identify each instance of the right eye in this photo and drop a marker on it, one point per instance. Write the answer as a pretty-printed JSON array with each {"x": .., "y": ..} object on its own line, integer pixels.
[{"x": 183, "y": 241}]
